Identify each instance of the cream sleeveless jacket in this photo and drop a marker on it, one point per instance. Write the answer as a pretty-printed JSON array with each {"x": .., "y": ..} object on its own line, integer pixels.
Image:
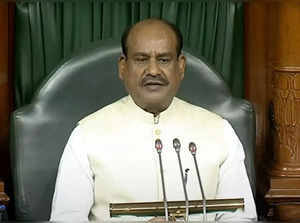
[{"x": 120, "y": 145}]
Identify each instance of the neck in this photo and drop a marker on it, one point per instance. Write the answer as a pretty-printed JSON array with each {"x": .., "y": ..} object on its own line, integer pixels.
[
  {"x": 153, "y": 108},
  {"x": 154, "y": 112}
]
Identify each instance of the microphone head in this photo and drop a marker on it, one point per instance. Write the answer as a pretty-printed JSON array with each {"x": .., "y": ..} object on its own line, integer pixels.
[
  {"x": 176, "y": 144},
  {"x": 158, "y": 145},
  {"x": 192, "y": 148}
]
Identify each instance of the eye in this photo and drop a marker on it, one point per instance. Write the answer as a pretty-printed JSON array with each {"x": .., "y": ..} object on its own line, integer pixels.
[
  {"x": 140, "y": 60},
  {"x": 164, "y": 60}
]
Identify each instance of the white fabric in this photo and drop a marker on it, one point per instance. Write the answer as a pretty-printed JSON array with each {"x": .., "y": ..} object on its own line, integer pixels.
[{"x": 110, "y": 157}]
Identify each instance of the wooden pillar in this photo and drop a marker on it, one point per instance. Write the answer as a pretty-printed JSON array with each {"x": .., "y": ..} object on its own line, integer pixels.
[
  {"x": 257, "y": 89},
  {"x": 6, "y": 102},
  {"x": 284, "y": 192},
  {"x": 273, "y": 85},
  {"x": 286, "y": 91}
]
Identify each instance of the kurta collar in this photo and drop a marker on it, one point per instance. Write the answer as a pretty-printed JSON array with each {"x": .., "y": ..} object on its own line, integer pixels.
[{"x": 142, "y": 116}]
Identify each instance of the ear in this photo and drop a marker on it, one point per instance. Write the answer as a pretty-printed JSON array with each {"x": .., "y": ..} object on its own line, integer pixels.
[
  {"x": 122, "y": 65},
  {"x": 181, "y": 64}
]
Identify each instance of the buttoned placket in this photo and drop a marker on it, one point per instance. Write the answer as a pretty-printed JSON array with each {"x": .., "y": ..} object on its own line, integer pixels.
[{"x": 156, "y": 133}]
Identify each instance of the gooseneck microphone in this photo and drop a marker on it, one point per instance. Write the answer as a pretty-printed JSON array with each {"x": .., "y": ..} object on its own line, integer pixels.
[
  {"x": 158, "y": 147},
  {"x": 186, "y": 175},
  {"x": 177, "y": 145},
  {"x": 193, "y": 150}
]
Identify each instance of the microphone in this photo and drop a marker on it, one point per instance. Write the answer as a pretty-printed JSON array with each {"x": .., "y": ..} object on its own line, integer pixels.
[
  {"x": 186, "y": 175},
  {"x": 158, "y": 147},
  {"x": 177, "y": 145},
  {"x": 193, "y": 149}
]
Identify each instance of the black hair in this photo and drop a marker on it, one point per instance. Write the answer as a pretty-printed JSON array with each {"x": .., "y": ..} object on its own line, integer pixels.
[{"x": 173, "y": 27}]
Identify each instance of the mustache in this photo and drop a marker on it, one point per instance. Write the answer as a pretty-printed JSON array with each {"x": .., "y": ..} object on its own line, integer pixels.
[{"x": 157, "y": 79}]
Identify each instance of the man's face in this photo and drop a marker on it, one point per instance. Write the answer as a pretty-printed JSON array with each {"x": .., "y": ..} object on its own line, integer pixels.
[{"x": 152, "y": 71}]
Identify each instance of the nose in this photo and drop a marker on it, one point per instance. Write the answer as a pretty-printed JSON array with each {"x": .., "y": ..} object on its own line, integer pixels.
[{"x": 153, "y": 67}]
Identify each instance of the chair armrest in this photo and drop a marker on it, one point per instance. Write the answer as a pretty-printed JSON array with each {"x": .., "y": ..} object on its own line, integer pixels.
[{"x": 4, "y": 199}]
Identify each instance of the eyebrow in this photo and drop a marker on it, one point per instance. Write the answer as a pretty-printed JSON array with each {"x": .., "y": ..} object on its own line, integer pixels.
[
  {"x": 140, "y": 54},
  {"x": 167, "y": 54}
]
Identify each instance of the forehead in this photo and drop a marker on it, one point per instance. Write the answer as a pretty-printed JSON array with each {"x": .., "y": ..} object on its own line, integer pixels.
[{"x": 153, "y": 37}]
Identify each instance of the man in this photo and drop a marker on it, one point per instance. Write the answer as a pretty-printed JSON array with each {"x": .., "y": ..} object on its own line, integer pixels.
[{"x": 110, "y": 156}]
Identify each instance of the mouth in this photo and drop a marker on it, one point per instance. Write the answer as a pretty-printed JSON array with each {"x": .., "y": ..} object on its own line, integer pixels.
[
  {"x": 154, "y": 85},
  {"x": 154, "y": 82}
]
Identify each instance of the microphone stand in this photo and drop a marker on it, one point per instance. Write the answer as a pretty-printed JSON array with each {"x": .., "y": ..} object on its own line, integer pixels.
[
  {"x": 177, "y": 145},
  {"x": 158, "y": 146},
  {"x": 193, "y": 149}
]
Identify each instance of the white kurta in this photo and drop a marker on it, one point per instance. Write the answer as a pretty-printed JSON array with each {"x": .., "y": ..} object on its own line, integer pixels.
[{"x": 110, "y": 158}]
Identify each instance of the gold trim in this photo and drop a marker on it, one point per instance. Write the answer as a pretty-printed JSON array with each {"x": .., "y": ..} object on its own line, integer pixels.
[
  {"x": 174, "y": 207},
  {"x": 287, "y": 69}
]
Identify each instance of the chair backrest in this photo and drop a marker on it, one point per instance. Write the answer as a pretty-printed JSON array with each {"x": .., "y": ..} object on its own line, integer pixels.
[{"x": 81, "y": 86}]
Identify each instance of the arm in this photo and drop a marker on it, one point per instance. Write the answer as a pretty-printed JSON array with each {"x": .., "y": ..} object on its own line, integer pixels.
[
  {"x": 73, "y": 197},
  {"x": 233, "y": 180}
]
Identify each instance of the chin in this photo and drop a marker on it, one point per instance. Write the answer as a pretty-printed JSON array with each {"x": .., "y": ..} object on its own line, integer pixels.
[{"x": 153, "y": 103}]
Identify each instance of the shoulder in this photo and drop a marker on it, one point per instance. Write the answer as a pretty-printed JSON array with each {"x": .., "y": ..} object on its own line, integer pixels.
[
  {"x": 208, "y": 129},
  {"x": 105, "y": 119},
  {"x": 190, "y": 112},
  {"x": 106, "y": 112}
]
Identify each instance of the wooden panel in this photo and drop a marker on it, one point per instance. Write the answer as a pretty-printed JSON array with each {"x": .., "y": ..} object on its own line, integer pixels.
[
  {"x": 286, "y": 212},
  {"x": 256, "y": 81},
  {"x": 3, "y": 43},
  {"x": 6, "y": 30}
]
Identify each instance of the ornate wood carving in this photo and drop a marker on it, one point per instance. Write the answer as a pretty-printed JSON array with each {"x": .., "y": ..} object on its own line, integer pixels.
[
  {"x": 4, "y": 199},
  {"x": 286, "y": 102}
]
